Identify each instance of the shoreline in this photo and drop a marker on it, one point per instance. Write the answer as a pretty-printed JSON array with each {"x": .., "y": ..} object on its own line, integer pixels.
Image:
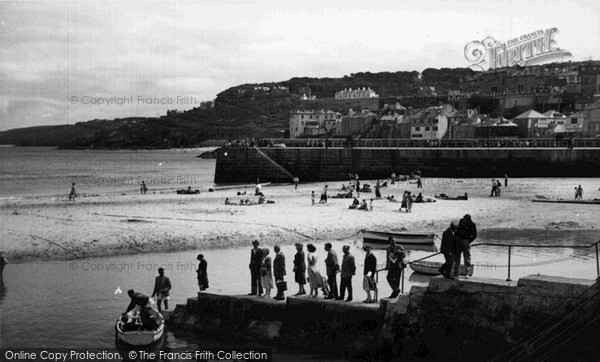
[{"x": 46, "y": 229}]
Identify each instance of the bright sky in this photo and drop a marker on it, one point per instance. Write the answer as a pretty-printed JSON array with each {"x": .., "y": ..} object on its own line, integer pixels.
[{"x": 51, "y": 52}]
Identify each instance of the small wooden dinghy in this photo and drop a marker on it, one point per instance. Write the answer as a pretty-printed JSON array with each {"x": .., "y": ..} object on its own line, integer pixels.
[
  {"x": 140, "y": 337},
  {"x": 409, "y": 241},
  {"x": 432, "y": 267}
]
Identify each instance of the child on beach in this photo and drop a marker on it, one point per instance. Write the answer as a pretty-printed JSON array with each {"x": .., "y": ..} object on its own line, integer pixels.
[
  {"x": 312, "y": 198},
  {"x": 72, "y": 194}
]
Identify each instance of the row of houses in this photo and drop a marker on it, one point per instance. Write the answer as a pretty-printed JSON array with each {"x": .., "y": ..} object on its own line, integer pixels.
[{"x": 444, "y": 121}]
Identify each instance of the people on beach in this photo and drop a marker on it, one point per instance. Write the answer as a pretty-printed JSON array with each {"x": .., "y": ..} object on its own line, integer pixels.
[
  {"x": 348, "y": 270},
  {"x": 324, "y": 195},
  {"x": 392, "y": 178},
  {"x": 578, "y": 193},
  {"x": 332, "y": 268},
  {"x": 369, "y": 271},
  {"x": 143, "y": 187},
  {"x": 315, "y": 279},
  {"x": 466, "y": 233},
  {"x": 448, "y": 248},
  {"x": 371, "y": 205},
  {"x": 312, "y": 198},
  {"x": 505, "y": 180},
  {"x": 162, "y": 286},
  {"x": 377, "y": 190},
  {"x": 419, "y": 182},
  {"x": 498, "y": 188},
  {"x": 255, "y": 266},
  {"x": 202, "y": 272},
  {"x": 404, "y": 204},
  {"x": 296, "y": 181},
  {"x": 266, "y": 273},
  {"x": 364, "y": 205},
  {"x": 72, "y": 194},
  {"x": 409, "y": 202},
  {"x": 257, "y": 189},
  {"x": 494, "y": 187},
  {"x": 300, "y": 269},
  {"x": 279, "y": 273},
  {"x": 355, "y": 204}
]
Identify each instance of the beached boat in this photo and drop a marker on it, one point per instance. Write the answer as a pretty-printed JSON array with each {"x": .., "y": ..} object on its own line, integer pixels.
[
  {"x": 140, "y": 337},
  {"x": 410, "y": 241},
  {"x": 585, "y": 202},
  {"x": 431, "y": 268}
]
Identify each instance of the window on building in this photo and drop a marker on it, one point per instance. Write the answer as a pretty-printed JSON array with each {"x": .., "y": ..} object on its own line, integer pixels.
[
  {"x": 521, "y": 88},
  {"x": 435, "y": 121},
  {"x": 435, "y": 128},
  {"x": 417, "y": 128},
  {"x": 417, "y": 136},
  {"x": 426, "y": 128},
  {"x": 573, "y": 120}
]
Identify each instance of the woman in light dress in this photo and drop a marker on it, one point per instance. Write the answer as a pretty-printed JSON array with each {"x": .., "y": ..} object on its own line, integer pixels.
[
  {"x": 315, "y": 279},
  {"x": 266, "y": 273}
]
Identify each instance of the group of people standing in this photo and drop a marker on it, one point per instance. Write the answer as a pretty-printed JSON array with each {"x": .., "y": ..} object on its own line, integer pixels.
[
  {"x": 456, "y": 241},
  {"x": 306, "y": 271},
  {"x": 578, "y": 193}
]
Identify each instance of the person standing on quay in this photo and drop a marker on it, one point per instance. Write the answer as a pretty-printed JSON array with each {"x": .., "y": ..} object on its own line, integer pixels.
[
  {"x": 466, "y": 233},
  {"x": 202, "y": 272},
  {"x": 447, "y": 248},
  {"x": 505, "y": 180},
  {"x": 279, "y": 272},
  {"x": 348, "y": 270},
  {"x": 162, "y": 286},
  {"x": 266, "y": 273},
  {"x": 333, "y": 267},
  {"x": 300, "y": 269},
  {"x": 3, "y": 263},
  {"x": 369, "y": 274},
  {"x": 255, "y": 265}
]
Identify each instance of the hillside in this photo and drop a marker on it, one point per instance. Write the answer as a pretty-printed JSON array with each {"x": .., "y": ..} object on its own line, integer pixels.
[{"x": 241, "y": 111}]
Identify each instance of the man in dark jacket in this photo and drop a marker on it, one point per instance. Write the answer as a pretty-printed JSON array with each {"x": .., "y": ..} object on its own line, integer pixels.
[
  {"x": 333, "y": 267},
  {"x": 348, "y": 270},
  {"x": 393, "y": 266},
  {"x": 279, "y": 272},
  {"x": 448, "y": 248},
  {"x": 369, "y": 272},
  {"x": 136, "y": 299},
  {"x": 465, "y": 233},
  {"x": 255, "y": 265}
]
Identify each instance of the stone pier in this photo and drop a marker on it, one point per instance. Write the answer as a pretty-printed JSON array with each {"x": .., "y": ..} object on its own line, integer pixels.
[{"x": 469, "y": 318}]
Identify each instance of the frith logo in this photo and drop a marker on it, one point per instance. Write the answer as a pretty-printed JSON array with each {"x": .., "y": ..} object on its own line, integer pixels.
[{"x": 534, "y": 48}]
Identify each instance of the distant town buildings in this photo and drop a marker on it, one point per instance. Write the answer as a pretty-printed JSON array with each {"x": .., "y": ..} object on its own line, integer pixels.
[
  {"x": 357, "y": 122},
  {"x": 356, "y": 93},
  {"x": 430, "y": 123},
  {"x": 590, "y": 117},
  {"x": 315, "y": 123}
]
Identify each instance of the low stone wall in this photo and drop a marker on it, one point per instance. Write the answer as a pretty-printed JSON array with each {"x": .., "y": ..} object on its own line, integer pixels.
[{"x": 475, "y": 318}]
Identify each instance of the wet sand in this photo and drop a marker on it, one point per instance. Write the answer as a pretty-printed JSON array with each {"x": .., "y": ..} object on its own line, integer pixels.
[{"x": 47, "y": 228}]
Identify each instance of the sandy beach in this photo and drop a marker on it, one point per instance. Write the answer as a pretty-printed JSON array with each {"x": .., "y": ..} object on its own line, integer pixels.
[{"x": 49, "y": 228}]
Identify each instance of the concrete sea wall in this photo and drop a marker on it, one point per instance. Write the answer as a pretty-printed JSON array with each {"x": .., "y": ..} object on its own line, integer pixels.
[
  {"x": 334, "y": 164},
  {"x": 467, "y": 318}
]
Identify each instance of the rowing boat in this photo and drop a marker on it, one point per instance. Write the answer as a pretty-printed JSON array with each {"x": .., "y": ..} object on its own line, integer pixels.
[
  {"x": 585, "y": 202},
  {"x": 432, "y": 267},
  {"x": 140, "y": 337},
  {"x": 409, "y": 241}
]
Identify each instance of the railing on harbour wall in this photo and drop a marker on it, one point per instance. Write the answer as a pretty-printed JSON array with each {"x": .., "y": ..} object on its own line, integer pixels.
[
  {"x": 509, "y": 246},
  {"x": 415, "y": 143}
]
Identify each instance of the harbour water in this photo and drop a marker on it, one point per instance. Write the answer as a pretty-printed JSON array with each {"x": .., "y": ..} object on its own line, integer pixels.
[{"x": 75, "y": 303}]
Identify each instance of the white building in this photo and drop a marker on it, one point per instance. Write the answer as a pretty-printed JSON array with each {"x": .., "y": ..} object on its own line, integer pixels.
[
  {"x": 356, "y": 93},
  {"x": 315, "y": 123}
]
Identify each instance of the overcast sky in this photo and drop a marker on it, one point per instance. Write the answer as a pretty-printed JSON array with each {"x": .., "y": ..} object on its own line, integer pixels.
[{"x": 56, "y": 55}]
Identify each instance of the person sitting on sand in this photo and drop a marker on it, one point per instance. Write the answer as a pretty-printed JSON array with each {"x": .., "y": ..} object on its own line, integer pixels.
[
  {"x": 261, "y": 200},
  {"x": 355, "y": 204},
  {"x": 227, "y": 201},
  {"x": 391, "y": 198},
  {"x": 419, "y": 198},
  {"x": 257, "y": 190},
  {"x": 364, "y": 205}
]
